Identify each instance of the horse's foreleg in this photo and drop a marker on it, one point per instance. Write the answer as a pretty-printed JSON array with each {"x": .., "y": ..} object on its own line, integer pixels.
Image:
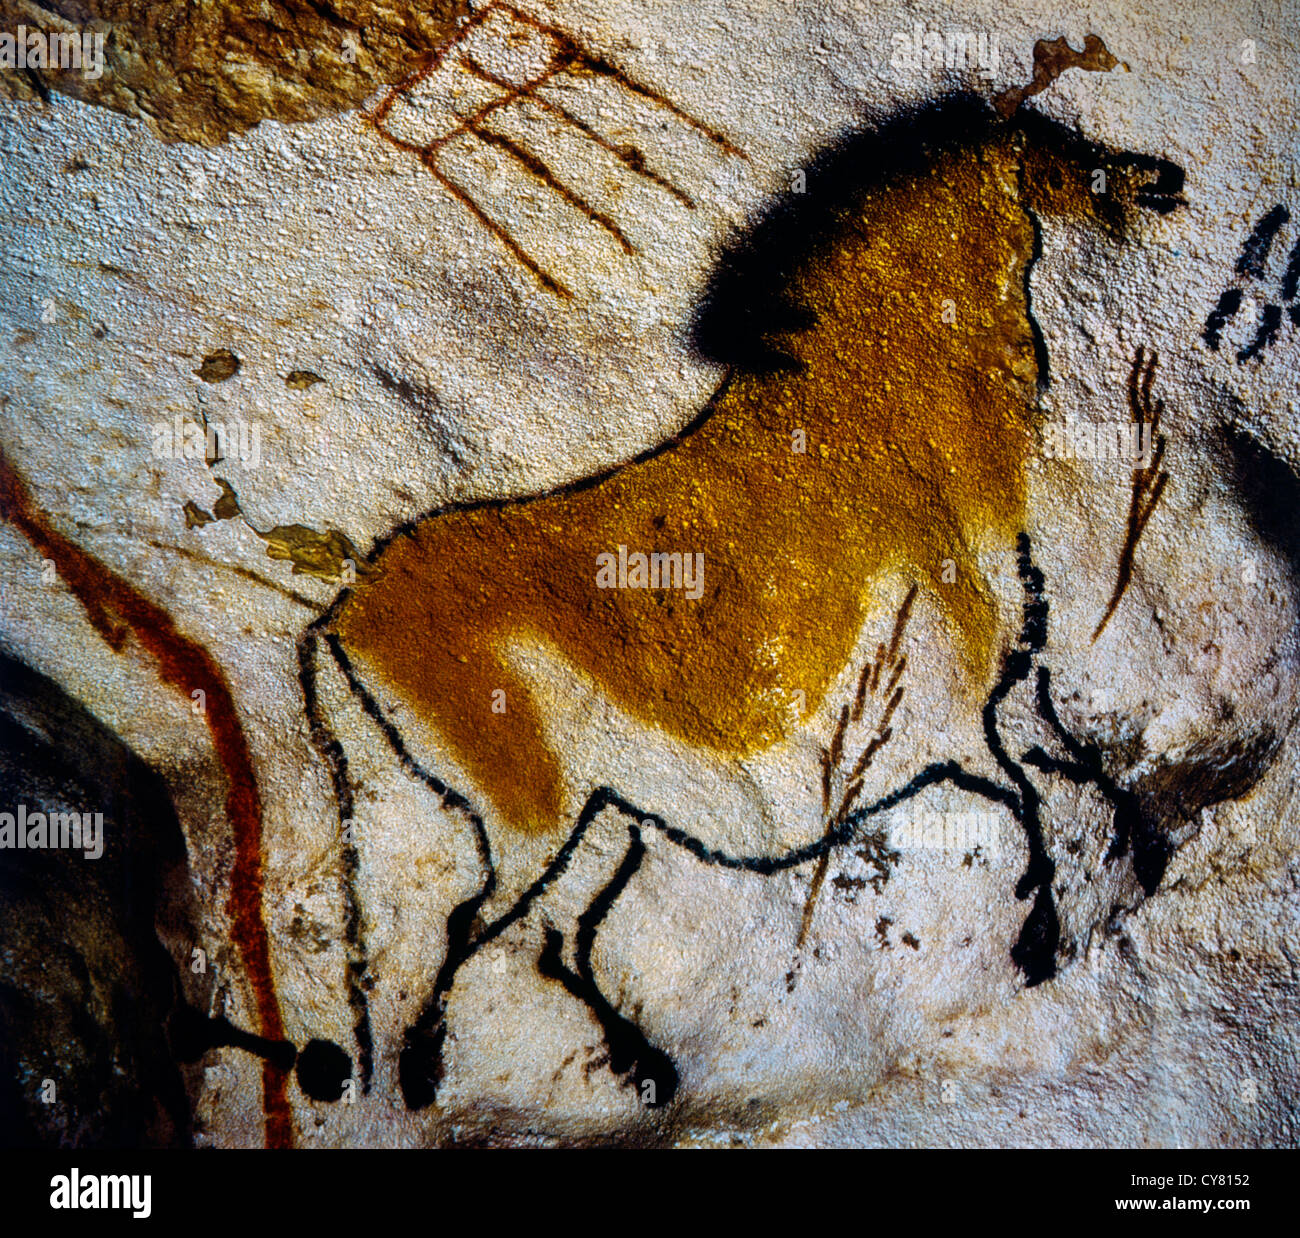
[{"x": 1034, "y": 951}]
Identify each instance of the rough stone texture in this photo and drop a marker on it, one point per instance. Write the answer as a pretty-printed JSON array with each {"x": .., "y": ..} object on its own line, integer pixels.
[
  {"x": 88, "y": 985},
  {"x": 136, "y": 249}
]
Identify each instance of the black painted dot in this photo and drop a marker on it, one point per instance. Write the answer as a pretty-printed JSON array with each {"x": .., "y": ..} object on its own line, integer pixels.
[{"x": 323, "y": 1069}]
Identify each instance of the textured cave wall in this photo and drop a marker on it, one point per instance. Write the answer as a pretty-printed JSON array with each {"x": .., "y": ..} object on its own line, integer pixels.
[
  {"x": 214, "y": 231},
  {"x": 88, "y": 987}
]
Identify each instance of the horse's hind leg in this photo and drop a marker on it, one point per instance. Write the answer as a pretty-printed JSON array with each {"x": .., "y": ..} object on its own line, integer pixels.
[
  {"x": 420, "y": 1060},
  {"x": 420, "y": 1066},
  {"x": 331, "y": 752},
  {"x": 631, "y": 1055}
]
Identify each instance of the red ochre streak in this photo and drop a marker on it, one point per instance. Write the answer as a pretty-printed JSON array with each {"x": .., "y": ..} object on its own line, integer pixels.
[{"x": 117, "y": 608}]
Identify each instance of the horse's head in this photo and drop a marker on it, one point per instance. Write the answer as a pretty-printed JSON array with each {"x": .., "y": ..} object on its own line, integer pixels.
[{"x": 1051, "y": 170}]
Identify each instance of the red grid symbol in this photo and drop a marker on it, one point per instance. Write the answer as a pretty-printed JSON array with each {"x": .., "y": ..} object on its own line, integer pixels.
[{"x": 531, "y": 55}]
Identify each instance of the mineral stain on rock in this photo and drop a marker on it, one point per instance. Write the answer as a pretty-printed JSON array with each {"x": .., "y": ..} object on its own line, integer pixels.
[
  {"x": 883, "y": 323},
  {"x": 323, "y": 555},
  {"x": 195, "y": 516},
  {"x": 327, "y": 556},
  {"x": 1051, "y": 58},
  {"x": 200, "y": 71},
  {"x": 301, "y": 380},
  {"x": 218, "y": 366}
]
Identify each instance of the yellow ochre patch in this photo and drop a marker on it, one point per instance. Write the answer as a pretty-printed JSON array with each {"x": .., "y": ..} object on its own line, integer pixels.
[{"x": 917, "y": 417}]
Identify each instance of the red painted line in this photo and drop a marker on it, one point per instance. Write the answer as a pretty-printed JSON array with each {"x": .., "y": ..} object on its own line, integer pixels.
[{"x": 117, "y": 608}]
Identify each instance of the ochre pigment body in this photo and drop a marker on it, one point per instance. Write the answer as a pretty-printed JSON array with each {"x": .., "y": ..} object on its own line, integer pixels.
[{"x": 915, "y": 394}]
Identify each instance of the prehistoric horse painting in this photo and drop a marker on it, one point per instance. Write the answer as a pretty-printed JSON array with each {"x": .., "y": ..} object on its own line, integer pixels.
[{"x": 882, "y": 371}]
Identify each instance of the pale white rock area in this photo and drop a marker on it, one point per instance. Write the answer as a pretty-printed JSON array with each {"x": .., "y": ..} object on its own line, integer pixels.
[{"x": 450, "y": 374}]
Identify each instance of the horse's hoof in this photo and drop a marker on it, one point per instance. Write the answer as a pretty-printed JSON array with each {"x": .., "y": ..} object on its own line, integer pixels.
[
  {"x": 655, "y": 1078},
  {"x": 419, "y": 1068}
]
